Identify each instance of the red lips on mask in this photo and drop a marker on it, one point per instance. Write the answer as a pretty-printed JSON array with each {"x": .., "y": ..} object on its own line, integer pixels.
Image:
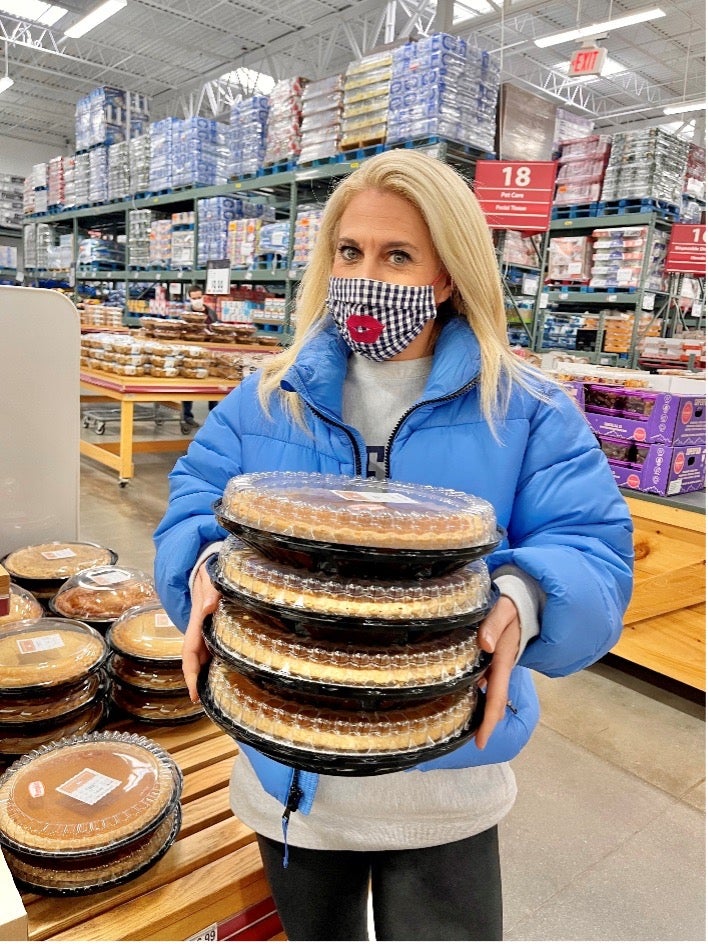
[{"x": 364, "y": 328}]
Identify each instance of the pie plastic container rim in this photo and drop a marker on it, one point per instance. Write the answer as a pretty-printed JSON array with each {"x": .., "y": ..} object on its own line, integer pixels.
[
  {"x": 332, "y": 558},
  {"x": 110, "y": 581},
  {"x": 158, "y": 708},
  {"x": 79, "y": 723},
  {"x": 93, "y": 688},
  {"x": 308, "y": 623},
  {"x": 48, "y": 584},
  {"x": 150, "y": 673},
  {"x": 90, "y": 887},
  {"x": 367, "y": 695},
  {"x": 118, "y": 636},
  {"x": 22, "y": 597},
  {"x": 161, "y": 760},
  {"x": 47, "y": 627},
  {"x": 345, "y": 765}
]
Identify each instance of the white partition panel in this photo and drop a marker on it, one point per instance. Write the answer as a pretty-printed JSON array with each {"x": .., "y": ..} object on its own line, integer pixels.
[{"x": 39, "y": 417}]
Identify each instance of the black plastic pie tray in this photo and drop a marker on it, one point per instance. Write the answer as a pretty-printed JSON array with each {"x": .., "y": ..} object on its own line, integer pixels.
[
  {"x": 47, "y": 586},
  {"x": 343, "y": 765},
  {"x": 349, "y": 560},
  {"x": 325, "y": 626},
  {"x": 363, "y": 696}
]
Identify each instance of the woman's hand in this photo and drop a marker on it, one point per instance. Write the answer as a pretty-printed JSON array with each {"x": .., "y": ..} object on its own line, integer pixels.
[
  {"x": 499, "y": 633},
  {"x": 205, "y": 598}
]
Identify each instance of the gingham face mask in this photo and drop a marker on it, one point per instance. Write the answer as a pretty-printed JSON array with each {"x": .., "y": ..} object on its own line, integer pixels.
[{"x": 379, "y": 319}]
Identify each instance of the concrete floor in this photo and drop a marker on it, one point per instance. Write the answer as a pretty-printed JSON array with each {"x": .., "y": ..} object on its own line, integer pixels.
[{"x": 607, "y": 839}]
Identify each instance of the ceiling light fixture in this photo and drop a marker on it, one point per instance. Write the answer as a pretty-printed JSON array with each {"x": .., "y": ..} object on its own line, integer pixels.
[
  {"x": 38, "y": 11},
  {"x": 92, "y": 19},
  {"x": 684, "y": 107},
  {"x": 599, "y": 29}
]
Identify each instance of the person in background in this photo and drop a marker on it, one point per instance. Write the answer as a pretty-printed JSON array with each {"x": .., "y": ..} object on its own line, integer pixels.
[
  {"x": 400, "y": 368},
  {"x": 197, "y": 304}
]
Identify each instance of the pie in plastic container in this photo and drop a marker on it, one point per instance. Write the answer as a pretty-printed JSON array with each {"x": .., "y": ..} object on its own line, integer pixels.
[
  {"x": 16, "y": 740},
  {"x": 23, "y": 606},
  {"x": 86, "y": 795},
  {"x": 147, "y": 676},
  {"x": 331, "y": 737},
  {"x": 155, "y": 707},
  {"x": 347, "y": 525},
  {"x": 99, "y": 595},
  {"x": 39, "y": 656},
  {"x": 50, "y": 706},
  {"x": 311, "y": 602},
  {"x": 43, "y": 568},
  {"x": 145, "y": 633}
]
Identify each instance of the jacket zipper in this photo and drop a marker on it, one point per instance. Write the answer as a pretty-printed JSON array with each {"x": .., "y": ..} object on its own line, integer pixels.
[
  {"x": 352, "y": 438},
  {"x": 450, "y": 396},
  {"x": 295, "y": 794}
]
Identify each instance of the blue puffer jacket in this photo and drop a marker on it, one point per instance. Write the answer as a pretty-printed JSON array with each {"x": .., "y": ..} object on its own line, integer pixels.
[{"x": 567, "y": 525}]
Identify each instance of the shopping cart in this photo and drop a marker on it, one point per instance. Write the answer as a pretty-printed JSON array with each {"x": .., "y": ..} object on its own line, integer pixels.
[{"x": 96, "y": 418}]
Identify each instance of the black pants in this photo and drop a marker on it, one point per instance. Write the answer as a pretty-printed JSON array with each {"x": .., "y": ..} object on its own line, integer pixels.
[{"x": 441, "y": 893}]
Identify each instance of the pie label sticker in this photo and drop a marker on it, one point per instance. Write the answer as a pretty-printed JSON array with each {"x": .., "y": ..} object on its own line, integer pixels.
[
  {"x": 40, "y": 643},
  {"x": 380, "y": 498},
  {"x": 162, "y": 621},
  {"x": 88, "y": 786},
  {"x": 110, "y": 577},
  {"x": 59, "y": 554}
]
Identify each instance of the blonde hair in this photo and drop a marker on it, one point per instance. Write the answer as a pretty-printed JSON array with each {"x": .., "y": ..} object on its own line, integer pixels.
[{"x": 462, "y": 239}]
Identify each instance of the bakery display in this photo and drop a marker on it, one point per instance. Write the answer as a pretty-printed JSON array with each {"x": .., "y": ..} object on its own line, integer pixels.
[
  {"x": 47, "y": 654},
  {"x": 22, "y": 605},
  {"x": 100, "y": 595},
  {"x": 147, "y": 676},
  {"x": 92, "y": 794},
  {"x": 333, "y": 735},
  {"x": 246, "y": 641},
  {"x": 146, "y": 633},
  {"x": 16, "y": 740}
]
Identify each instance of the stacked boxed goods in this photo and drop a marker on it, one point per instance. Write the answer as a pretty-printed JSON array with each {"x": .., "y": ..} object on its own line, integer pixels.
[
  {"x": 520, "y": 250},
  {"x": 283, "y": 138},
  {"x": 160, "y": 244},
  {"x": 273, "y": 240},
  {"x": 570, "y": 127},
  {"x": 138, "y": 118},
  {"x": 12, "y": 201},
  {"x": 101, "y": 254},
  {"x": 307, "y": 226},
  {"x": 242, "y": 243},
  {"x": 8, "y": 257},
  {"x": 107, "y": 115},
  {"x": 55, "y": 182},
  {"x": 98, "y": 174},
  {"x": 680, "y": 351},
  {"x": 41, "y": 193},
  {"x": 442, "y": 87},
  {"x": 182, "y": 248},
  {"x": 213, "y": 217},
  {"x": 618, "y": 327},
  {"x": 654, "y": 441},
  {"x": 82, "y": 119},
  {"x": 28, "y": 195},
  {"x": 247, "y": 135},
  {"x": 118, "y": 170},
  {"x": 694, "y": 187},
  {"x": 82, "y": 177},
  {"x": 581, "y": 170},
  {"x": 69, "y": 181},
  {"x": 569, "y": 260},
  {"x": 29, "y": 245},
  {"x": 618, "y": 258},
  {"x": 139, "y": 238},
  {"x": 367, "y": 88},
  {"x": 198, "y": 153},
  {"x": 161, "y": 152},
  {"x": 45, "y": 242},
  {"x": 648, "y": 165},
  {"x": 322, "y": 103},
  {"x": 139, "y": 162}
]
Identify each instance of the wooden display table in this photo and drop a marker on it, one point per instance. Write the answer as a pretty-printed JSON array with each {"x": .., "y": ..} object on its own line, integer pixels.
[
  {"x": 665, "y": 625},
  {"x": 212, "y": 873},
  {"x": 128, "y": 391}
]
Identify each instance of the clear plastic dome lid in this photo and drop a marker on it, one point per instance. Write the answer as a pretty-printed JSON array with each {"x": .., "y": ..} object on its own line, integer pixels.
[
  {"x": 146, "y": 632},
  {"x": 16, "y": 740},
  {"x": 102, "y": 594},
  {"x": 156, "y": 707},
  {"x": 23, "y": 606},
  {"x": 150, "y": 675},
  {"x": 48, "y": 706},
  {"x": 37, "y": 655},
  {"x": 364, "y": 512},
  {"x": 87, "y": 794},
  {"x": 56, "y": 560},
  {"x": 251, "y": 575}
]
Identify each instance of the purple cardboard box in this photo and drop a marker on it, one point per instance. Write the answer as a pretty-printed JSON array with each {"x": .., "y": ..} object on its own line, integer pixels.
[
  {"x": 675, "y": 419},
  {"x": 666, "y": 470}
]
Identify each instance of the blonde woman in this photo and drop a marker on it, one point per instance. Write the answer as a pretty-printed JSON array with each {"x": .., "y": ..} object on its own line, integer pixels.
[{"x": 400, "y": 369}]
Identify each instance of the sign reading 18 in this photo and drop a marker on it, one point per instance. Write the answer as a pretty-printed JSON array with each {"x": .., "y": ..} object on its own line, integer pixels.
[
  {"x": 516, "y": 176},
  {"x": 699, "y": 234}
]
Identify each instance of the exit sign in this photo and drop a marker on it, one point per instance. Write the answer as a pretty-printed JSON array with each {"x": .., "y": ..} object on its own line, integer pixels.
[{"x": 588, "y": 60}]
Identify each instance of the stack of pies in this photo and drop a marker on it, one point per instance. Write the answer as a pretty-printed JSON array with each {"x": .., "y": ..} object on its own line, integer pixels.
[
  {"x": 43, "y": 568},
  {"x": 339, "y": 673},
  {"x": 88, "y": 813},
  {"x": 145, "y": 666},
  {"x": 99, "y": 595},
  {"x": 51, "y": 682},
  {"x": 23, "y": 605}
]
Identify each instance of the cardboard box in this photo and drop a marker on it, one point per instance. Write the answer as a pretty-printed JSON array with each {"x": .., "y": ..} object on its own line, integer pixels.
[
  {"x": 665, "y": 470},
  {"x": 4, "y": 591},
  {"x": 674, "y": 419},
  {"x": 13, "y": 917}
]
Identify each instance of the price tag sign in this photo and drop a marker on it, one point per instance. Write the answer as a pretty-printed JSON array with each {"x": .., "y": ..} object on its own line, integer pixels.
[
  {"x": 516, "y": 195},
  {"x": 218, "y": 277},
  {"x": 687, "y": 249}
]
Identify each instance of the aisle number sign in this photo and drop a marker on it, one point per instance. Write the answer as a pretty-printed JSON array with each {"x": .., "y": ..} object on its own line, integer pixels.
[
  {"x": 687, "y": 249},
  {"x": 218, "y": 277},
  {"x": 516, "y": 195}
]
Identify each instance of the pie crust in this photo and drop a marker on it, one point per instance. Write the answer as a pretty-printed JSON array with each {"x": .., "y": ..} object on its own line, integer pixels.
[
  {"x": 50, "y": 706},
  {"x": 149, "y": 706},
  {"x": 329, "y": 729},
  {"x": 265, "y": 645},
  {"x": 87, "y": 794},
  {"x": 102, "y": 594},
  {"x": 23, "y": 606},
  {"x": 55, "y": 560},
  {"x": 48, "y": 653},
  {"x": 146, "y": 675},
  {"x": 15, "y": 741},
  {"x": 146, "y": 632}
]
